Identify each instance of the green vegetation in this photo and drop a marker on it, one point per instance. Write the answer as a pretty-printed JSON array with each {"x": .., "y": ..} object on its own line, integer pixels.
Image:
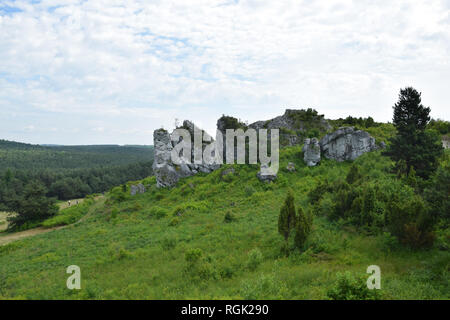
[
  {"x": 31, "y": 207},
  {"x": 68, "y": 172},
  {"x": 215, "y": 237},
  {"x": 413, "y": 144},
  {"x": 205, "y": 255}
]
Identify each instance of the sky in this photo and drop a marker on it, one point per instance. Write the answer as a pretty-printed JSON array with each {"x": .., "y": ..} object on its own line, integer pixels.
[{"x": 111, "y": 72}]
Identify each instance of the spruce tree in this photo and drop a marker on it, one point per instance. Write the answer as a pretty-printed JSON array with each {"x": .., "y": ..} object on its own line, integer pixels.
[
  {"x": 353, "y": 175},
  {"x": 302, "y": 228},
  {"x": 413, "y": 144},
  {"x": 287, "y": 219}
]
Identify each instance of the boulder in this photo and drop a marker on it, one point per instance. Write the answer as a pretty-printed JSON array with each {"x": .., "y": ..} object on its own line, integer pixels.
[
  {"x": 290, "y": 167},
  {"x": 346, "y": 143},
  {"x": 311, "y": 152},
  {"x": 267, "y": 177},
  {"x": 135, "y": 189}
]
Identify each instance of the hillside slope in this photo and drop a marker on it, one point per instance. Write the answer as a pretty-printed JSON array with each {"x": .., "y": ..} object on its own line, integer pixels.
[{"x": 215, "y": 236}]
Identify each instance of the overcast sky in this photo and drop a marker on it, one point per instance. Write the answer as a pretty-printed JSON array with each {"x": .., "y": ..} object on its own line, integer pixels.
[{"x": 105, "y": 71}]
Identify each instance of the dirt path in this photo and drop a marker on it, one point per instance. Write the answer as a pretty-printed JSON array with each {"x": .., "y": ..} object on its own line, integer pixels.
[
  {"x": 73, "y": 202},
  {"x": 10, "y": 237}
]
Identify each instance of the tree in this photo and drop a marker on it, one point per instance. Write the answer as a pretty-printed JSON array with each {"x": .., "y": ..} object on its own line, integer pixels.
[
  {"x": 287, "y": 218},
  {"x": 413, "y": 144},
  {"x": 33, "y": 206},
  {"x": 302, "y": 228},
  {"x": 410, "y": 222},
  {"x": 353, "y": 175},
  {"x": 437, "y": 194}
]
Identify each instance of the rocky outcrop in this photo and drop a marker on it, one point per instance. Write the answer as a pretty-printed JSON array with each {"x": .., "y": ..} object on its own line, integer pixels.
[
  {"x": 265, "y": 177},
  {"x": 311, "y": 152},
  {"x": 166, "y": 172},
  {"x": 290, "y": 167},
  {"x": 135, "y": 189},
  {"x": 163, "y": 168},
  {"x": 293, "y": 124},
  {"x": 346, "y": 143},
  {"x": 446, "y": 141}
]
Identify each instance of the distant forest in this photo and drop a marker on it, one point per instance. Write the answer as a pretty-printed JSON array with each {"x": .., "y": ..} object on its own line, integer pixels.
[{"x": 69, "y": 172}]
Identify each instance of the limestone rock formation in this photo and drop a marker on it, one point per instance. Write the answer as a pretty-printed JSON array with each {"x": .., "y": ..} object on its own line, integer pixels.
[
  {"x": 290, "y": 167},
  {"x": 166, "y": 172},
  {"x": 267, "y": 177},
  {"x": 346, "y": 143},
  {"x": 293, "y": 124},
  {"x": 163, "y": 168},
  {"x": 135, "y": 189},
  {"x": 311, "y": 152}
]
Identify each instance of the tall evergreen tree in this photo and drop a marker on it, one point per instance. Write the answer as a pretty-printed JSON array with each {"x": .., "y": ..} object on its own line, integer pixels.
[
  {"x": 302, "y": 228},
  {"x": 287, "y": 218},
  {"x": 413, "y": 144}
]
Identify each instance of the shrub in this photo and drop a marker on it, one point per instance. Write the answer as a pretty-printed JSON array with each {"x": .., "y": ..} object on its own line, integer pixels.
[
  {"x": 174, "y": 222},
  {"x": 158, "y": 212},
  {"x": 349, "y": 287},
  {"x": 409, "y": 222},
  {"x": 181, "y": 209},
  {"x": 229, "y": 217},
  {"x": 197, "y": 266},
  {"x": 169, "y": 243},
  {"x": 254, "y": 259},
  {"x": 302, "y": 228},
  {"x": 287, "y": 219},
  {"x": 249, "y": 191},
  {"x": 354, "y": 174},
  {"x": 264, "y": 287}
]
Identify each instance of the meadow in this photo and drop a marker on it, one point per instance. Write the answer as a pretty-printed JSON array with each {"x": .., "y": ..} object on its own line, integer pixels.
[{"x": 215, "y": 237}]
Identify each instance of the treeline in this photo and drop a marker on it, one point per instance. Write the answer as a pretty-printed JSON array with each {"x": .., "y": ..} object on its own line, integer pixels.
[
  {"x": 16, "y": 155},
  {"x": 356, "y": 122},
  {"x": 67, "y": 172}
]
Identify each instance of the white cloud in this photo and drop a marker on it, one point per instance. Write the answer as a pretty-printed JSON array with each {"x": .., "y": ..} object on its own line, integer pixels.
[{"x": 132, "y": 66}]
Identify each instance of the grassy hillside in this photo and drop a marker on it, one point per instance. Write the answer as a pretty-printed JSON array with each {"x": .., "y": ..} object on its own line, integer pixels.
[{"x": 215, "y": 236}]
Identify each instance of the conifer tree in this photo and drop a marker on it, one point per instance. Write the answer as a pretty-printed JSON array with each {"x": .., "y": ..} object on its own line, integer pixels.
[
  {"x": 413, "y": 144},
  {"x": 302, "y": 228},
  {"x": 287, "y": 219}
]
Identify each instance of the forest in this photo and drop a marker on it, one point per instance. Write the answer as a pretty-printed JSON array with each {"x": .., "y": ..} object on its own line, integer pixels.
[{"x": 68, "y": 172}]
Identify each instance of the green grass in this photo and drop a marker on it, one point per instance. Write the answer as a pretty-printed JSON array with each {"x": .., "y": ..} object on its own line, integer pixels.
[{"x": 177, "y": 244}]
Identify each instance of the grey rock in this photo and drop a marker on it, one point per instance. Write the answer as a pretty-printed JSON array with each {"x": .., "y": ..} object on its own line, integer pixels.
[
  {"x": 166, "y": 172},
  {"x": 135, "y": 189},
  {"x": 141, "y": 188},
  {"x": 267, "y": 177},
  {"x": 290, "y": 167},
  {"x": 311, "y": 152},
  {"x": 289, "y": 122},
  {"x": 346, "y": 143},
  {"x": 227, "y": 172},
  {"x": 383, "y": 145}
]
